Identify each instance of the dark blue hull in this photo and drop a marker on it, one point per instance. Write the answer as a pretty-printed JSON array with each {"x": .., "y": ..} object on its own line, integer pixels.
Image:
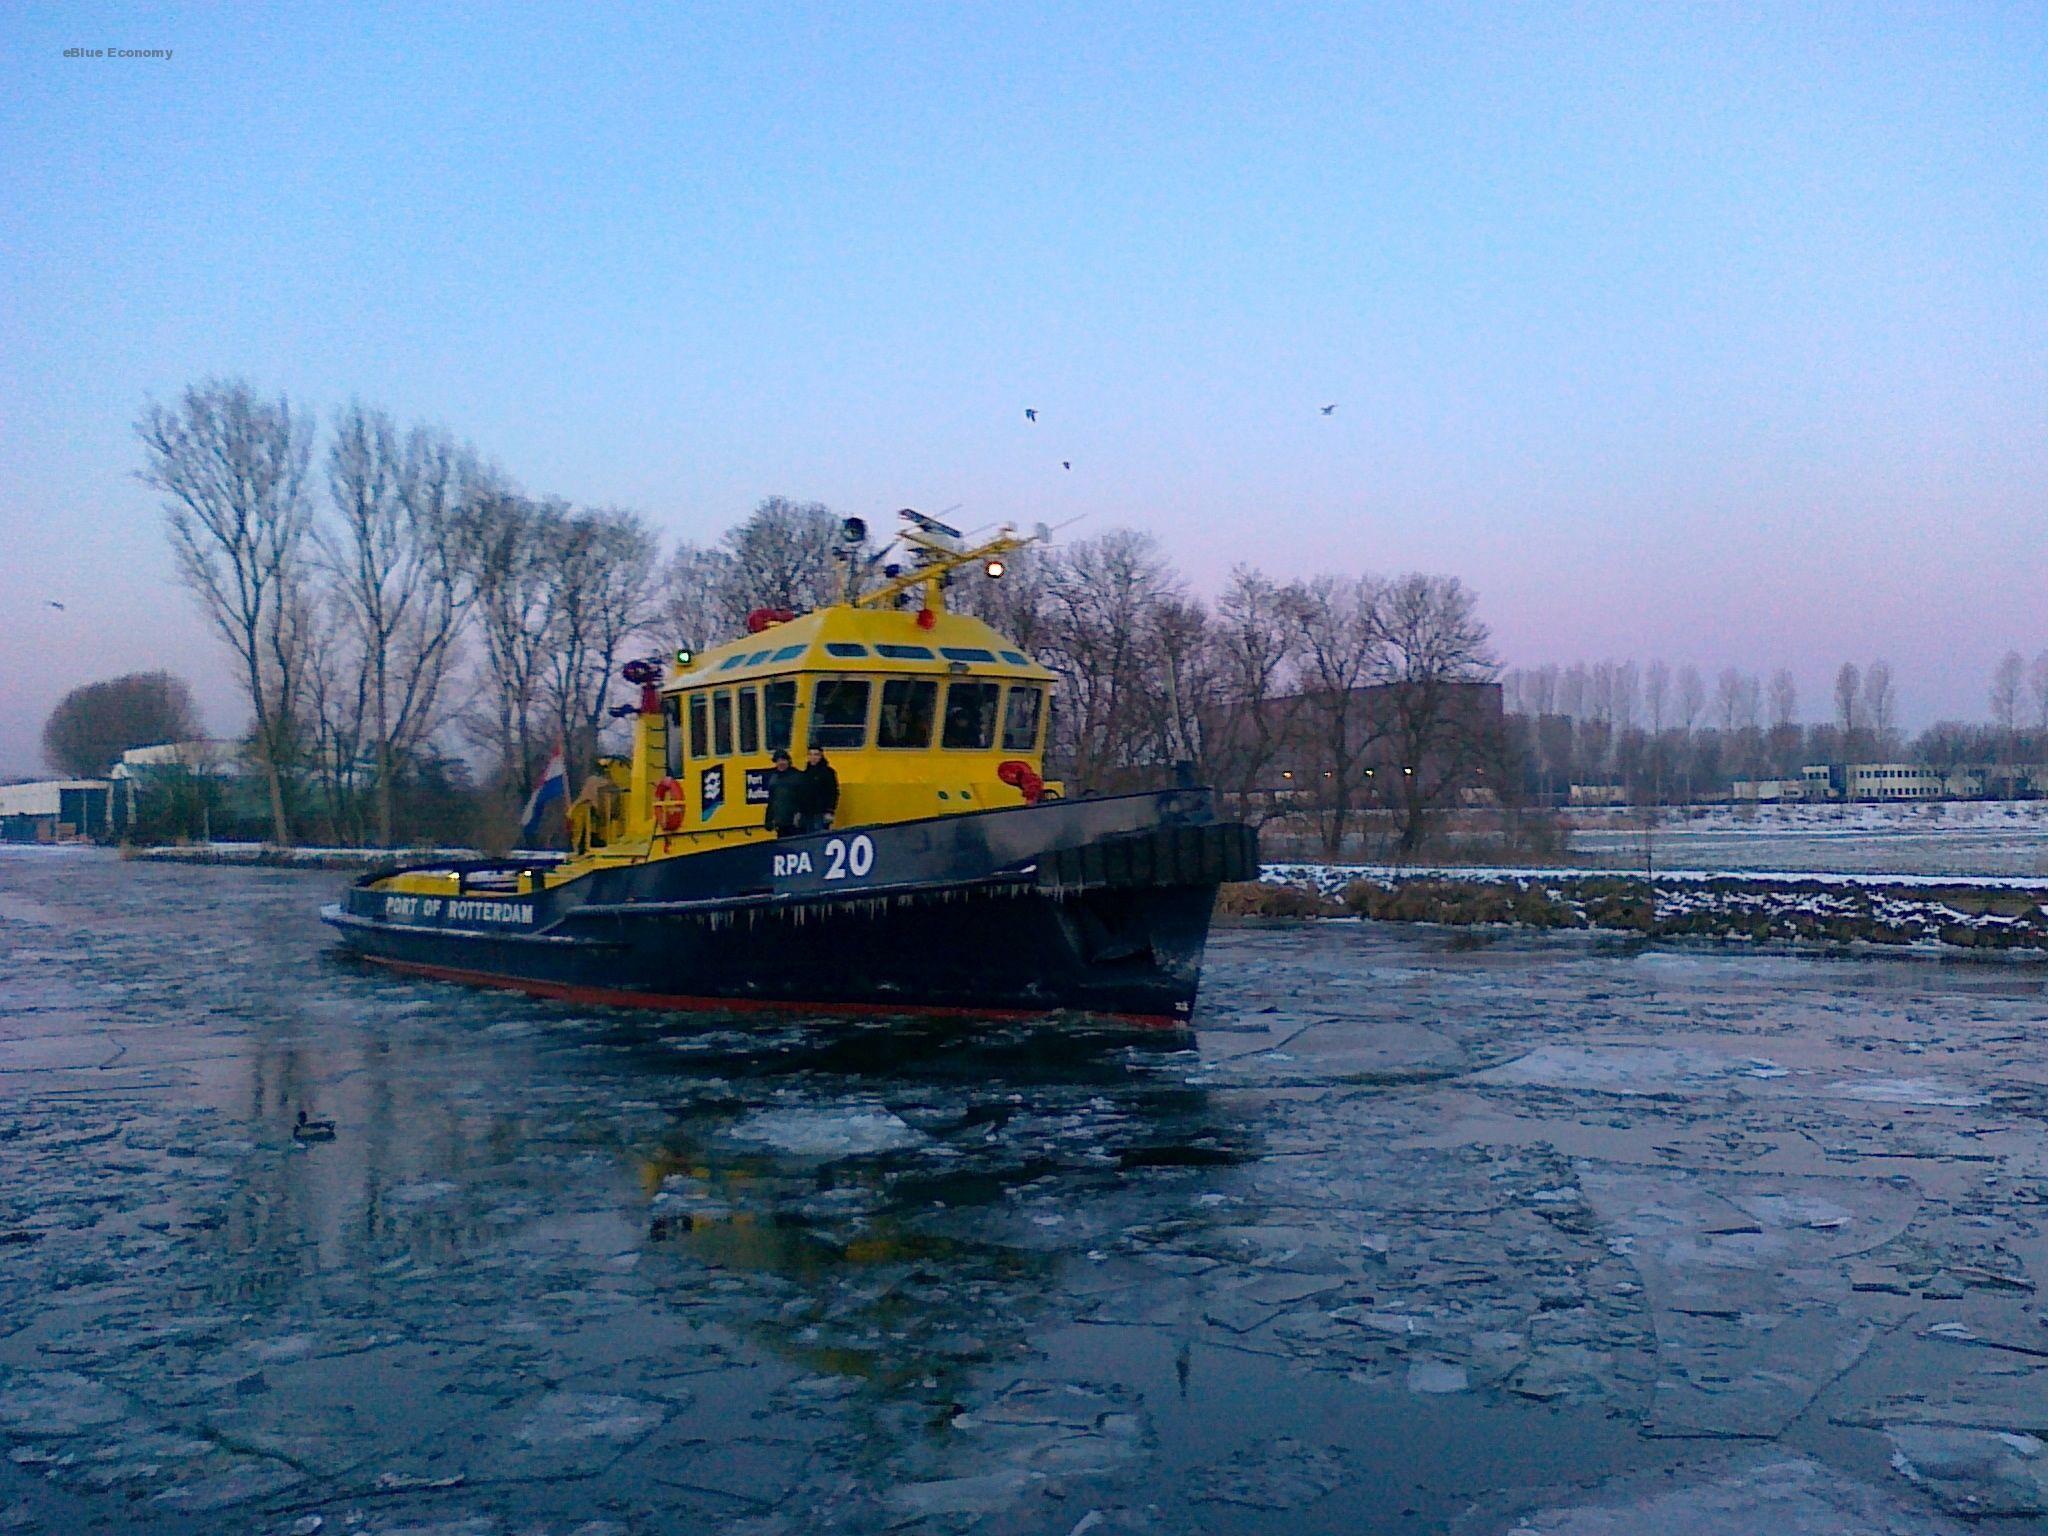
[{"x": 1097, "y": 906}]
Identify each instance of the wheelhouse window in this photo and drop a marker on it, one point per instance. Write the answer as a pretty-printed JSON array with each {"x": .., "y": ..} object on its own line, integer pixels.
[
  {"x": 672, "y": 733},
  {"x": 721, "y": 723},
  {"x": 700, "y": 725},
  {"x": 909, "y": 706},
  {"x": 839, "y": 712},
  {"x": 750, "y": 721},
  {"x": 971, "y": 715},
  {"x": 780, "y": 699},
  {"x": 1020, "y": 718}
]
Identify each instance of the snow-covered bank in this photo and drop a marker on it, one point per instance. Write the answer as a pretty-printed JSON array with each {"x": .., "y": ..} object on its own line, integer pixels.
[
  {"x": 1828, "y": 910},
  {"x": 1331, "y": 879},
  {"x": 1859, "y": 819}
]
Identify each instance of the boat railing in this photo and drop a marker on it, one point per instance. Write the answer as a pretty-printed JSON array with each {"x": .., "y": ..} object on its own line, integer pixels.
[{"x": 482, "y": 876}]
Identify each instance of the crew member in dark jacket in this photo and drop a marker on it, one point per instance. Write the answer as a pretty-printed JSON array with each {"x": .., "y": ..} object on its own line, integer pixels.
[
  {"x": 785, "y": 797},
  {"x": 820, "y": 796}
]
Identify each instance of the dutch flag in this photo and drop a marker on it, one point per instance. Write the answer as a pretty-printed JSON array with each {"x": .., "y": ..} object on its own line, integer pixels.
[{"x": 553, "y": 786}]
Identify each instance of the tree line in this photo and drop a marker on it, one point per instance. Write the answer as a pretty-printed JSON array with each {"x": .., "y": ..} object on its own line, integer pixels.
[
  {"x": 391, "y": 599},
  {"x": 1666, "y": 735}
]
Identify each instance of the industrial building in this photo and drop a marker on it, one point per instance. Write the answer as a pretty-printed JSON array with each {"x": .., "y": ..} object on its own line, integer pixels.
[{"x": 60, "y": 811}]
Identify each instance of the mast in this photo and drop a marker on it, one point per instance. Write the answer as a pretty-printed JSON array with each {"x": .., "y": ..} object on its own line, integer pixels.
[{"x": 936, "y": 552}]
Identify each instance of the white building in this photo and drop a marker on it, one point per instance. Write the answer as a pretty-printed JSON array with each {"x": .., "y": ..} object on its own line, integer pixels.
[
  {"x": 1599, "y": 794},
  {"x": 1769, "y": 791},
  {"x": 57, "y": 811},
  {"x": 1895, "y": 781},
  {"x": 214, "y": 758}
]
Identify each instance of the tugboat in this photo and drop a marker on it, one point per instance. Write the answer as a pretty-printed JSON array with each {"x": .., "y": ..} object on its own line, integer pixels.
[{"x": 948, "y": 878}]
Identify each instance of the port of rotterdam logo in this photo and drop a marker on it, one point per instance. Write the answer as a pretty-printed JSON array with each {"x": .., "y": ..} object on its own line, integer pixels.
[{"x": 710, "y": 792}]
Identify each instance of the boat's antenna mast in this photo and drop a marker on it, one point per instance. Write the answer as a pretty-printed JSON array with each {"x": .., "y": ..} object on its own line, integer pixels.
[{"x": 936, "y": 552}]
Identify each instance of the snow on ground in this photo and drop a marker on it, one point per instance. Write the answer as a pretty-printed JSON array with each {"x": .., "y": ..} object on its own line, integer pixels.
[
  {"x": 1930, "y": 838},
  {"x": 1858, "y": 819},
  {"x": 1331, "y": 879}
]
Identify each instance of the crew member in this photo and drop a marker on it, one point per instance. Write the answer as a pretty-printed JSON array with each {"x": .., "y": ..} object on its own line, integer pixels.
[
  {"x": 820, "y": 796},
  {"x": 785, "y": 796}
]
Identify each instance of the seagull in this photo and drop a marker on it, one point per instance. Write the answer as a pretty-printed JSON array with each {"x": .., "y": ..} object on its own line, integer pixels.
[
  {"x": 1329, "y": 410},
  {"x": 1030, "y": 414},
  {"x": 56, "y": 605}
]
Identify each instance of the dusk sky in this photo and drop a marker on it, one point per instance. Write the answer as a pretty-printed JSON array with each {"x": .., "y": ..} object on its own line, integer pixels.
[{"x": 1712, "y": 333}]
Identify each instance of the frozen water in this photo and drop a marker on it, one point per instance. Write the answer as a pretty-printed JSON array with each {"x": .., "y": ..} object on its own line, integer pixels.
[
  {"x": 585, "y": 1416},
  {"x": 825, "y": 1132},
  {"x": 1409, "y": 1237},
  {"x": 1785, "y": 1496},
  {"x": 1973, "y": 1471}
]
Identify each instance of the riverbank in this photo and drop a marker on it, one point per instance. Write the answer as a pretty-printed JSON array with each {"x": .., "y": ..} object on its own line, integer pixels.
[{"x": 1829, "y": 911}]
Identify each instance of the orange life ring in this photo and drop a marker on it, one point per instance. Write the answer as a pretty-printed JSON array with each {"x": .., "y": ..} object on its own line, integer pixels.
[{"x": 668, "y": 805}]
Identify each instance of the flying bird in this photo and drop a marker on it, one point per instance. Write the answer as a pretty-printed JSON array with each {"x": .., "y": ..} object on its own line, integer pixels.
[
  {"x": 1329, "y": 410},
  {"x": 1066, "y": 463},
  {"x": 1030, "y": 414},
  {"x": 56, "y": 605}
]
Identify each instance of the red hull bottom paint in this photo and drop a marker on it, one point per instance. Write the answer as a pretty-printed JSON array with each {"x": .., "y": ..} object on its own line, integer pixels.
[{"x": 607, "y": 997}]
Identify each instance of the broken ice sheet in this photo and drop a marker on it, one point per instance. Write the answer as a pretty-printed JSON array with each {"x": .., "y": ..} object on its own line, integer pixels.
[
  {"x": 1764, "y": 1493},
  {"x": 567, "y": 1420},
  {"x": 1749, "y": 1280},
  {"x": 828, "y": 1131},
  {"x": 1283, "y": 1475},
  {"x": 1974, "y": 1471}
]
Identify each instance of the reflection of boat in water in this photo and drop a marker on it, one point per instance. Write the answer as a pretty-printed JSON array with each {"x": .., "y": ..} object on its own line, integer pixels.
[
  {"x": 880, "y": 1197},
  {"x": 951, "y": 878}
]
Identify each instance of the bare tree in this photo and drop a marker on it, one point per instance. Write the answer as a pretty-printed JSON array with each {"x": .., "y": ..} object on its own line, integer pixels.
[
  {"x": 2037, "y": 685},
  {"x": 1880, "y": 708},
  {"x": 1736, "y": 704},
  {"x": 2006, "y": 680},
  {"x": 333, "y": 720},
  {"x": 1572, "y": 690},
  {"x": 1100, "y": 596},
  {"x": 506, "y": 543},
  {"x": 1339, "y": 624},
  {"x": 1256, "y": 640},
  {"x": 1657, "y": 704},
  {"x": 1657, "y": 696},
  {"x": 1784, "y": 699},
  {"x": 783, "y": 556},
  {"x": 1432, "y": 648},
  {"x": 1628, "y": 697},
  {"x": 232, "y": 469},
  {"x": 1183, "y": 665},
  {"x": 599, "y": 598},
  {"x": 1692, "y": 696},
  {"x": 395, "y": 570},
  {"x": 693, "y": 597},
  {"x": 1784, "y": 733},
  {"x": 1728, "y": 700},
  {"x": 1849, "y": 705}
]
